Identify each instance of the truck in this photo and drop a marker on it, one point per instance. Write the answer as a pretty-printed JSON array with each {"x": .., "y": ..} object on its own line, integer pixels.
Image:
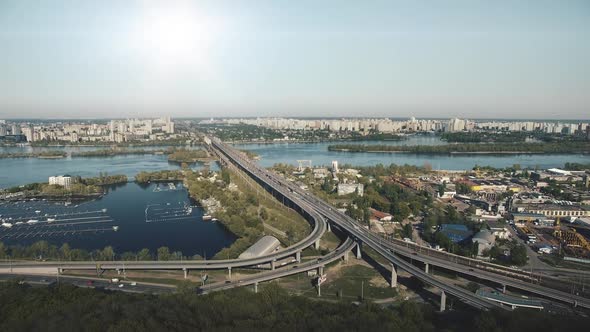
[{"x": 115, "y": 280}]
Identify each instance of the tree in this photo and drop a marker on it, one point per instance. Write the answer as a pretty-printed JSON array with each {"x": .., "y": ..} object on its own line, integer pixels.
[
  {"x": 144, "y": 255},
  {"x": 108, "y": 253},
  {"x": 163, "y": 254},
  {"x": 64, "y": 251},
  {"x": 518, "y": 255},
  {"x": 225, "y": 176}
]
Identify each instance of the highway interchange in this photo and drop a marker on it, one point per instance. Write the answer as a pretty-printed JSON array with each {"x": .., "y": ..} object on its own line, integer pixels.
[{"x": 319, "y": 214}]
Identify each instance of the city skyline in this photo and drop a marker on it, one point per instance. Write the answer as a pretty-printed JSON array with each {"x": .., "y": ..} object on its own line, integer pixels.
[{"x": 212, "y": 58}]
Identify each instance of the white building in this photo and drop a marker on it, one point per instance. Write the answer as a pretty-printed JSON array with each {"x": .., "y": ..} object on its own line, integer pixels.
[
  {"x": 61, "y": 180},
  {"x": 349, "y": 188}
]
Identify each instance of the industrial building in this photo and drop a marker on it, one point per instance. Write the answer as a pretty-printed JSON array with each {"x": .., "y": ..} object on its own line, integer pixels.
[{"x": 265, "y": 245}]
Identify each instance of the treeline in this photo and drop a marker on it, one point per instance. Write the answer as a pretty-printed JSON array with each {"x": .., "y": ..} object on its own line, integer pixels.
[
  {"x": 65, "y": 307},
  {"x": 165, "y": 175},
  {"x": 555, "y": 148},
  {"x": 576, "y": 166},
  {"x": 43, "y": 154},
  {"x": 43, "y": 250},
  {"x": 54, "y": 190},
  {"x": 103, "y": 179}
]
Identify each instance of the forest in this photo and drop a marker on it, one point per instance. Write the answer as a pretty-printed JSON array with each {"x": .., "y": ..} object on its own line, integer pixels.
[{"x": 63, "y": 307}]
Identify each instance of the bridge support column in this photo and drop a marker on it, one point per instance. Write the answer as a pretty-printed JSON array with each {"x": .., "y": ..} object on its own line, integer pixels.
[
  {"x": 329, "y": 227},
  {"x": 255, "y": 287},
  {"x": 503, "y": 289},
  {"x": 229, "y": 272},
  {"x": 426, "y": 268},
  {"x": 298, "y": 256},
  {"x": 346, "y": 256},
  {"x": 320, "y": 270},
  {"x": 185, "y": 270},
  {"x": 272, "y": 265},
  {"x": 317, "y": 244},
  {"x": 358, "y": 251},
  {"x": 59, "y": 270},
  {"x": 443, "y": 301},
  {"x": 118, "y": 272},
  {"x": 393, "y": 283}
]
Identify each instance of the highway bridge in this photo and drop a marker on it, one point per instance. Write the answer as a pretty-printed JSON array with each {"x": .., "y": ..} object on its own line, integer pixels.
[{"x": 392, "y": 251}]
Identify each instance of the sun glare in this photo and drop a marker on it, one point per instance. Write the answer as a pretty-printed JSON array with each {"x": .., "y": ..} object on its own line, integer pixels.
[{"x": 176, "y": 36}]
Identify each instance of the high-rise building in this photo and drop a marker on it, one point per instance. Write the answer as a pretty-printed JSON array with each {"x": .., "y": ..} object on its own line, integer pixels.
[{"x": 15, "y": 129}]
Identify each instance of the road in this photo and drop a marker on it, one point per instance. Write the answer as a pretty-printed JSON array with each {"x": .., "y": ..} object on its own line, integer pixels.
[{"x": 96, "y": 283}]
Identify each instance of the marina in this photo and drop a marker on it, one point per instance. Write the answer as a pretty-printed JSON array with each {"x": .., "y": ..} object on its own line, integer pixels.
[{"x": 128, "y": 217}]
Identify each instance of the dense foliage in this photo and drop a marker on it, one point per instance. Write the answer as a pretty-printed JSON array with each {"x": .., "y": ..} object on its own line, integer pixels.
[
  {"x": 165, "y": 175},
  {"x": 113, "y": 152},
  {"x": 43, "y": 250},
  {"x": 67, "y": 308}
]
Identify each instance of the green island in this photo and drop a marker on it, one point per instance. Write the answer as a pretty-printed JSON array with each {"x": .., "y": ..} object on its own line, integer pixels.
[
  {"x": 506, "y": 137},
  {"x": 164, "y": 143},
  {"x": 115, "y": 152},
  {"x": 41, "y": 155},
  {"x": 79, "y": 188},
  {"x": 165, "y": 175},
  {"x": 520, "y": 148},
  {"x": 27, "y": 308},
  {"x": 188, "y": 156}
]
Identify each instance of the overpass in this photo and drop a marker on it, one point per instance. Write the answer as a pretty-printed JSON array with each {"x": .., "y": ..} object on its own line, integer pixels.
[
  {"x": 273, "y": 182},
  {"x": 394, "y": 251}
]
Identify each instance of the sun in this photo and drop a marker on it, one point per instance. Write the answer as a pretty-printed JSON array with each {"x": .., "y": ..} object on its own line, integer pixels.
[{"x": 175, "y": 36}]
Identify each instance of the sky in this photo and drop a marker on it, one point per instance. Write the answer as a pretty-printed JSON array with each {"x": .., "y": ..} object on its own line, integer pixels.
[{"x": 465, "y": 58}]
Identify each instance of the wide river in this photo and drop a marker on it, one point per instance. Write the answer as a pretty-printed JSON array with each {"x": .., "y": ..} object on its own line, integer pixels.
[
  {"x": 130, "y": 206},
  {"x": 18, "y": 171}
]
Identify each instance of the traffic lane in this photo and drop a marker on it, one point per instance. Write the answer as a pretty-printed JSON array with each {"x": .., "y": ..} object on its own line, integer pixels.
[{"x": 91, "y": 283}]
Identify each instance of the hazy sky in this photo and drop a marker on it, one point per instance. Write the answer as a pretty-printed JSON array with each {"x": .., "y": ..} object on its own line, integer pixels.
[{"x": 113, "y": 58}]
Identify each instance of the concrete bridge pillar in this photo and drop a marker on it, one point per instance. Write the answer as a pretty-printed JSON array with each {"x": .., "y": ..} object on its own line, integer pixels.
[
  {"x": 118, "y": 272},
  {"x": 317, "y": 244},
  {"x": 59, "y": 270},
  {"x": 255, "y": 287},
  {"x": 426, "y": 268},
  {"x": 321, "y": 270},
  {"x": 229, "y": 272},
  {"x": 298, "y": 256},
  {"x": 319, "y": 290},
  {"x": 185, "y": 270},
  {"x": 358, "y": 250},
  {"x": 329, "y": 227},
  {"x": 443, "y": 301},
  {"x": 393, "y": 283},
  {"x": 346, "y": 256},
  {"x": 503, "y": 289},
  {"x": 272, "y": 264}
]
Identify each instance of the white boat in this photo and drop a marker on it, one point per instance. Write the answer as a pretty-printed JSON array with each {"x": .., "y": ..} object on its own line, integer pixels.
[
  {"x": 32, "y": 221},
  {"x": 206, "y": 217},
  {"x": 50, "y": 219},
  {"x": 115, "y": 228},
  {"x": 38, "y": 211},
  {"x": 19, "y": 223},
  {"x": 6, "y": 224}
]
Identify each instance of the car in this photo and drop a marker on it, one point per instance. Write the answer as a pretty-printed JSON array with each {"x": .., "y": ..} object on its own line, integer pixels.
[
  {"x": 121, "y": 285},
  {"x": 228, "y": 281},
  {"x": 134, "y": 284}
]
